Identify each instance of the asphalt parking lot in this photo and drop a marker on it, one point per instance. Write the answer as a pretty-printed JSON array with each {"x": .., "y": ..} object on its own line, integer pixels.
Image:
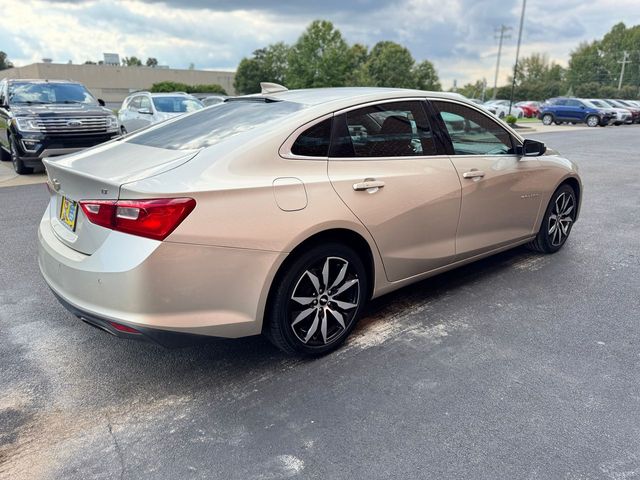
[{"x": 520, "y": 366}]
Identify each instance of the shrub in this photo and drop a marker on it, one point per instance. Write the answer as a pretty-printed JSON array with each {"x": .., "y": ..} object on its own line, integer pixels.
[{"x": 510, "y": 119}]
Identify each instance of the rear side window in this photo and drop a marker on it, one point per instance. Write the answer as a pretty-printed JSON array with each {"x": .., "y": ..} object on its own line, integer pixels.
[
  {"x": 472, "y": 132},
  {"x": 314, "y": 142},
  {"x": 212, "y": 125},
  {"x": 394, "y": 129}
]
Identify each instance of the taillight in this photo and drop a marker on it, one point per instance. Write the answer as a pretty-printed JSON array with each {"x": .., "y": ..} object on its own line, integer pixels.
[{"x": 155, "y": 218}]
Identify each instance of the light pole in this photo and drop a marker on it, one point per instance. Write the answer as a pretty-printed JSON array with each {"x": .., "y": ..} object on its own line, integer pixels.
[
  {"x": 515, "y": 67},
  {"x": 501, "y": 37}
]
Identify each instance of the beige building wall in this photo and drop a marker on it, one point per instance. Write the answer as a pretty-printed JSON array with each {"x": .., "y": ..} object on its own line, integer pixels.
[{"x": 113, "y": 84}]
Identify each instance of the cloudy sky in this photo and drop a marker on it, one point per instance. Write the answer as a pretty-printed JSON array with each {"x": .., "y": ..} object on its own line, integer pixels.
[{"x": 457, "y": 35}]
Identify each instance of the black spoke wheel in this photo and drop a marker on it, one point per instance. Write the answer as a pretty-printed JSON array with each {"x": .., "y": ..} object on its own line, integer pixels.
[
  {"x": 317, "y": 300},
  {"x": 557, "y": 222}
]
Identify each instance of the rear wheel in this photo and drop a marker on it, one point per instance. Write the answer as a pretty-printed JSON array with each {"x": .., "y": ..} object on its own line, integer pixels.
[
  {"x": 317, "y": 300},
  {"x": 557, "y": 221},
  {"x": 123, "y": 130},
  {"x": 18, "y": 164},
  {"x": 592, "y": 121},
  {"x": 547, "y": 119}
]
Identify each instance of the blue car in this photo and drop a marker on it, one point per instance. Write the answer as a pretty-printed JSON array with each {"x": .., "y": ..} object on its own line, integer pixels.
[{"x": 573, "y": 110}]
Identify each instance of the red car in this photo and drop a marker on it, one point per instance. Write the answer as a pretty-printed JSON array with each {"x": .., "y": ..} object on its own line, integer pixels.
[{"x": 529, "y": 108}]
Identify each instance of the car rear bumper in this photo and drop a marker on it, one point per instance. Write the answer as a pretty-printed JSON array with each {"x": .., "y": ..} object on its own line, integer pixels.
[{"x": 159, "y": 288}]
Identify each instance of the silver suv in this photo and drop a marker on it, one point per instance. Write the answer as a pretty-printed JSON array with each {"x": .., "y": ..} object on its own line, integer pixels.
[{"x": 142, "y": 109}]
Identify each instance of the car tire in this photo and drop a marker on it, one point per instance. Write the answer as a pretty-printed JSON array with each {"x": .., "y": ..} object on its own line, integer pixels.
[
  {"x": 123, "y": 130},
  {"x": 547, "y": 119},
  {"x": 316, "y": 300},
  {"x": 554, "y": 233},
  {"x": 5, "y": 156},
  {"x": 18, "y": 164},
  {"x": 592, "y": 121},
  {"x": 501, "y": 115}
]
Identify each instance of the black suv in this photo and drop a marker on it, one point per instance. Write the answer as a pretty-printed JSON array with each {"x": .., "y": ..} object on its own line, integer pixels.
[{"x": 45, "y": 118}]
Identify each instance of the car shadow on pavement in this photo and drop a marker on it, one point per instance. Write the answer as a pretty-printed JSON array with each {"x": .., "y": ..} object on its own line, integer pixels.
[{"x": 239, "y": 364}]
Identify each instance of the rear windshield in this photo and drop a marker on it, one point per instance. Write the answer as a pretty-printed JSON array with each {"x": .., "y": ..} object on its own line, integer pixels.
[{"x": 212, "y": 125}]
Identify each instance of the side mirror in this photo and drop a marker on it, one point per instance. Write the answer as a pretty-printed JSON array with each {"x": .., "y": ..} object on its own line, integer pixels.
[
  {"x": 533, "y": 148},
  {"x": 145, "y": 111},
  {"x": 101, "y": 102}
]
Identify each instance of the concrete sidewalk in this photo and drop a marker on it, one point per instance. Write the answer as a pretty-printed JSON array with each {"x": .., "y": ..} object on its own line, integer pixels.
[{"x": 9, "y": 178}]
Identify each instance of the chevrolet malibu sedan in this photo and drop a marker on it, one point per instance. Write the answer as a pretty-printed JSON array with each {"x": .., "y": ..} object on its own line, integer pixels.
[{"x": 283, "y": 213}]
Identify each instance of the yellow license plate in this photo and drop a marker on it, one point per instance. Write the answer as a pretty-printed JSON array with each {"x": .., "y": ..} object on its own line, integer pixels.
[{"x": 69, "y": 213}]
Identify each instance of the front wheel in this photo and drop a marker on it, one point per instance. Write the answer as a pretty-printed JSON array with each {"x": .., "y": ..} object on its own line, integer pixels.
[
  {"x": 592, "y": 121},
  {"x": 18, "y": 164},
  {"x": 557, "y": 221},
  {"x": 547, "y": 119},
  {"x": 317, "y": 300}
]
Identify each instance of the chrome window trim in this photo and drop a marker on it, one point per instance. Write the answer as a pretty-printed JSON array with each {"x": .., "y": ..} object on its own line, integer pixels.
[{"x": 285, "y": 149}]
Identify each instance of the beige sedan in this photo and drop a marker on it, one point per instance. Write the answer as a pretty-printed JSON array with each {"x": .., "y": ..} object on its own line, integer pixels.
[{"x": 284, "y": 213}]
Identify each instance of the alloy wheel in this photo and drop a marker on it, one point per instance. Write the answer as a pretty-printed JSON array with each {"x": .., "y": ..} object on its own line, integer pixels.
[
  {"x": 593, "y": 121},
  {"x": 561, "y": 218},
  {"x": 324, "y": 301}
]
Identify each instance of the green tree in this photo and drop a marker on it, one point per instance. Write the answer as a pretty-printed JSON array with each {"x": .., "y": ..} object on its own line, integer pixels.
[
  {"x": 426, "y": 77},
  {"x": 391, "y": 65},
  {"x": 358, "y": 75},
  {"x": 131, "y": 62},
  {"x": 320, "y": 58},
  {"x": 152, "y": 62},
  {"x": 267, "y": 65},
  {"x": 474, "y": 90},
  {"x": 4, "y": 61}
]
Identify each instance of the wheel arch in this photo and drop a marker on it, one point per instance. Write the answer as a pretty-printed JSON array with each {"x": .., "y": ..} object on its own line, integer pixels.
[
  {"x": 340, "y": 235},
  {"x": 574, "y": 183}
]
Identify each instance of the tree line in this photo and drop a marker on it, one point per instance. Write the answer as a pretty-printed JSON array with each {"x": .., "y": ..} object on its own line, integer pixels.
[
  {"x": 593, "y": 71},
  {"x": 321, "y": 57}
]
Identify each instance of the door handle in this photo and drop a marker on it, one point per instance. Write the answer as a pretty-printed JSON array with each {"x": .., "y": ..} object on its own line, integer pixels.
[
  {"x": 369, "y": 183},
  {"x": 473, "y": 173}
]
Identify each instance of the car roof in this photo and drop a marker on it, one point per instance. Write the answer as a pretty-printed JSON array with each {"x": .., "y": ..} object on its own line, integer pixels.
[{"x": 318, "y": 96}]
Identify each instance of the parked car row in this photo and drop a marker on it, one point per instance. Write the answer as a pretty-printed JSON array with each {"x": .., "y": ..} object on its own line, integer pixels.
[
  {"x": 592, "y": 112},
  {"x": 47, "y": 118}
]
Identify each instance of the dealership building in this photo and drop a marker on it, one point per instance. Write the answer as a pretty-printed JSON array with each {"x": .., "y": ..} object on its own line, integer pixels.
[{"x": 113, "y": 83}]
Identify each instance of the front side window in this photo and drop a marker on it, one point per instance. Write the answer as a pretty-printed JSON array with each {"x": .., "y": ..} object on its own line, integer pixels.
[
  {"x": 45, "y": 92},
  {"x": 472, "y": 132},
  {"x": 574, "y": 103},
  {"x": 314, "y": 142},
  {"x": 145, "y": 103},
  {"x": 394, "y": 129},
  {"x": 134, "y": 103}
]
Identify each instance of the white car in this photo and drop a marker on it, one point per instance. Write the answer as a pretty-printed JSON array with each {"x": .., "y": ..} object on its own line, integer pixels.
[
  {"x": 622, "y": 115},
  {"x": 500, "y": 108},
  {"x": 141, "y": 109}
]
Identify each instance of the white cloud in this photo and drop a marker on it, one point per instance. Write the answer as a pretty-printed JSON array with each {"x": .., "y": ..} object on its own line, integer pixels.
[{"x": 457, "y": 35}]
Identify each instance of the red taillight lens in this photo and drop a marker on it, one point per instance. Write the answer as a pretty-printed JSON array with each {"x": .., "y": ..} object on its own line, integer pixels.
[
  {"x": 155, "y": 218},
  {"x": 123, "y": 328}
]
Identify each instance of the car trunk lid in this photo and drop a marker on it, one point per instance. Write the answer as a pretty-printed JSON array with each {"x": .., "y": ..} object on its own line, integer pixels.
[{"x": 97, "y": 174}]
